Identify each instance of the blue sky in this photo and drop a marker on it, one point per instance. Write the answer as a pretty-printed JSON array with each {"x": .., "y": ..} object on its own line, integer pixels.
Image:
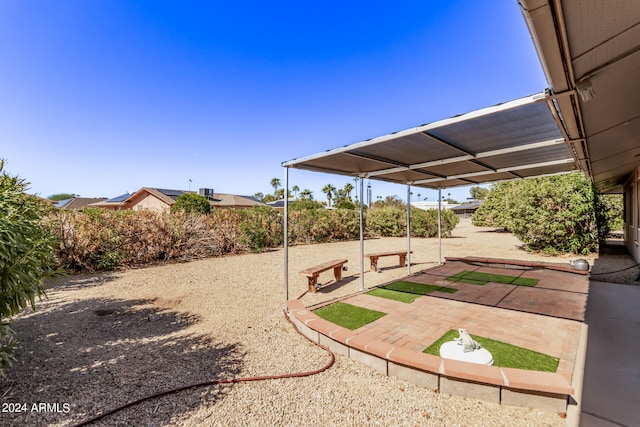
[{"x": 105, "y": 96}]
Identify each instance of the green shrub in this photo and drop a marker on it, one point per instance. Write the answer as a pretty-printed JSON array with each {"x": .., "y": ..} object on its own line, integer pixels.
[
  {"x": 391, "y": 221},
  {"x": 424, "y": 223},
  {"x": 260, "y": 227},
  {"x": 550, "y": 215},
  {"x": 305, "y": 204},
  {"x": 191, "y": 203},
  {"x": 612, "y": 210},
  {"x": 26, "y": 256},
  {"x": 387, "y": 221},
  {"x": 323, "y": 225},
  {"x": 346, "y": 204}
]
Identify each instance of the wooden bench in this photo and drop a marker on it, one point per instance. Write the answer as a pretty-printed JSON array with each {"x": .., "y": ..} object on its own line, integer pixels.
[
  {"x": 312, "y": 273},
  {"x": 374, "y": 258}
]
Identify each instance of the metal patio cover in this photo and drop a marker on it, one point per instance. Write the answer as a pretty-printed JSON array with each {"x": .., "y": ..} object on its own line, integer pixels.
[{"x": 516, "y": 139}]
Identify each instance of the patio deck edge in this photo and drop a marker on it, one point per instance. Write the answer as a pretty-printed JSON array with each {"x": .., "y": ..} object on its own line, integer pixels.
[{"x": 507, "y": 386}]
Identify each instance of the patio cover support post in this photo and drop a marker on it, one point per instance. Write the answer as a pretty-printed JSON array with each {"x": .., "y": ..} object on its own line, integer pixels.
[
  {"x": 361, "y": 235},
  {"x": 286, "y": 234},
  {"x": 408, "y": 230},
  {"x": 439, "y": 226}
]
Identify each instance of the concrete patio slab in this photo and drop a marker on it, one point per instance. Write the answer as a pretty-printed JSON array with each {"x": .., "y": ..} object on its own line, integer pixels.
[{"x": 611, "y": 385}]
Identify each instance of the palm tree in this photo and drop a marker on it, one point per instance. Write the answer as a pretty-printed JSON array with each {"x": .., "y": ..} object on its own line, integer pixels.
[
  {"x": 275, "y": 183},
  {"x": 306, "y": 194},
  {"x": 348, "y": 188},
  {"x": 356, "y": 179},
  {"x": 328, "y": 190},
  {"x": 295, "y": 190}
]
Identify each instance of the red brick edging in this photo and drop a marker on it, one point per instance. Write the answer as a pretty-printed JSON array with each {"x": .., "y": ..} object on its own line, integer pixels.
[{"x": 507, "y": 386}]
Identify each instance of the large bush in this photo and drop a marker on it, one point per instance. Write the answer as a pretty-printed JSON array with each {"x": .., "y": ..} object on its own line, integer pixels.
[
  {"x": 191, "y": 203},
  {"x": 26, "y": 256},
  {"x": 260, "y": 227},
  {"x": 391, "y": 221},
  {"x": 323, "y": 225},
  {"x": 613, "y": 211},
  {"x": 96, "y": 239},
  {"x": 550, "y": 214},
  {"x": 424, "y": 223}
]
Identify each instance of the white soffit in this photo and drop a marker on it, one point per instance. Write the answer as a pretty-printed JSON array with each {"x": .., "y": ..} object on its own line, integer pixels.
[{"x": 591, "y": 50}]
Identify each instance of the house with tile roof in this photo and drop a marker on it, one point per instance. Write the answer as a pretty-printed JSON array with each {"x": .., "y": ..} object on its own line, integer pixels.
[{"x": 78, "y": 202}]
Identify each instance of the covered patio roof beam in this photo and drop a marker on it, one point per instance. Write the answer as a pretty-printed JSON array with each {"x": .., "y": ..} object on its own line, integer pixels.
[
  {"x": 468, "y": 157},
  {"x": 446, "y": 143},
  {"x": 500, "y": 170},
  {"x": 491, "y": 153},
  {"x": 376, "y": 158}
]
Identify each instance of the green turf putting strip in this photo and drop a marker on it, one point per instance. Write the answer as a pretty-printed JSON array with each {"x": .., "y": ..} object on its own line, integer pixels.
[
  {"x": 472, "y": 282},
  {"x": 477, "y": 278},
  {"x": 524, "y": 281},
  {"x": 504, "y": 355},
  {"x": 393, "y": 295},
  {"x": 348, "y": 316},
  {"x": 488, "y": 277},
  {"x": 416, "y": 288},
  {"x": 407, "y": 292}
]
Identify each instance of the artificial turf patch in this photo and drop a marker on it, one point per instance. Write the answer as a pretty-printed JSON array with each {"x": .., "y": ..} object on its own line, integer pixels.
[
  {"x": 525, "y": 281},
  {"x": 347, "y": 315},
  {"x": 504, "y": 355},
  {"x": 477, "y": 278},
  {"x": 407, "y": 292}
]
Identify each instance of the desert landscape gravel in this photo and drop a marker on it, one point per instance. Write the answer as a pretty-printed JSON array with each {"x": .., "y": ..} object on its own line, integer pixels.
[{"x": 99, "y": 341}]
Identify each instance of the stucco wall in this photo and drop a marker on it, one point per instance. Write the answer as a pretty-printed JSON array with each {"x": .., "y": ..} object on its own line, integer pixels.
[
  {"x": 632, "y": 215},
  {"x": 148, "y": 202}
]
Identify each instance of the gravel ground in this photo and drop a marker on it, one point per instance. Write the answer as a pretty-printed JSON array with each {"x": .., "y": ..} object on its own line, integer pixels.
[{"x": 100, "y": 341}]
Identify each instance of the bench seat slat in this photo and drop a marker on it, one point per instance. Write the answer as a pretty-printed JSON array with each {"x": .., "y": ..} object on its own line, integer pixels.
[
  {"x": 381, "y": 254},
  {"x": 374, "y": 258},
  {"x": 312, "y": 273},
  {"x": 323, "y": 267}
]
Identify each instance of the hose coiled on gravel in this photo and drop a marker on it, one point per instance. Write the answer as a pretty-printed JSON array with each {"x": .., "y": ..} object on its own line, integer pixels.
[{"x": 332, "y": 360}]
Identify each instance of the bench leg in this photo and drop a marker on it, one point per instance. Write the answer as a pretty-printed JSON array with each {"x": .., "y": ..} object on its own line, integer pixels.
[
  {"x": 403, "y": 260},
  {"x": 313, "y": 281},
  {"x": 374, "y": 263},
  {"x": 337, "y": 272}
]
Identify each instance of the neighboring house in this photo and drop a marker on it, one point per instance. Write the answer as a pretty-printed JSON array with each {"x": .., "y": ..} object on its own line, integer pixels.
[
  {"x": 153, "y": 199},
  {"x": 114, "y": 204},
  {"x": 220, "y": 200},
  {"x": 279, "y": 204},
  {"x": 159, "y": 199},
  {"x": 466, "y": 209},
  {"x": 78, "y": 202},
  {"x": 431, "y": 205}
]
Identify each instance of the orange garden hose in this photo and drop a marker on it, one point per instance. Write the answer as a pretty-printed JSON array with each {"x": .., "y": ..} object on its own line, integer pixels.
[{"x": 332, "y": 359}]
